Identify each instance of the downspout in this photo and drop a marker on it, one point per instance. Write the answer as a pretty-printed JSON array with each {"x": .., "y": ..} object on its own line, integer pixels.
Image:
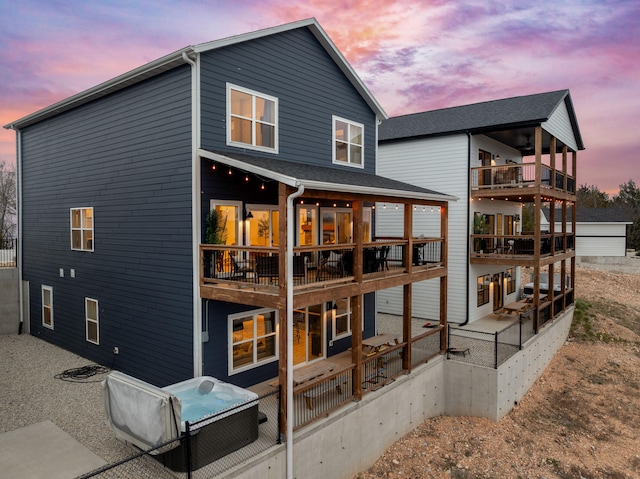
[
  {"x": 468, "y": 222},
  {"x": 196, "y": 228},
  {"x": 290, "y": 239},
  {"x": 19, "y": 252}
]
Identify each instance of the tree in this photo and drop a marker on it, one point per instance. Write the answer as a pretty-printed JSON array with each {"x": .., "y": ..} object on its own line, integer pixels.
[
  {"x": 628, "y": 199},
  {"x": 7, "y": 204},
  {"x": 591, "y": 197}
]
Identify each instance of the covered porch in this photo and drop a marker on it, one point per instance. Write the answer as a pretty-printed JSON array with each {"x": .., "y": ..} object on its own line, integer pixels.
[{"x": 316, "y": 260}]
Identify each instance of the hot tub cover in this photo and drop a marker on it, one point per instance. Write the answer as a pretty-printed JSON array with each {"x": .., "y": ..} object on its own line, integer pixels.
[{"x": 140, "y": 413}]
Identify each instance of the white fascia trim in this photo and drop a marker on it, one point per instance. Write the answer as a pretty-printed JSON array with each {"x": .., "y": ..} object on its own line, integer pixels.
[
  {"x": 367, "y": 190},
  {"x": 126, "y": 79},
  {"x": 321, "y": 185},
  {"x": 287, "y": 180}
]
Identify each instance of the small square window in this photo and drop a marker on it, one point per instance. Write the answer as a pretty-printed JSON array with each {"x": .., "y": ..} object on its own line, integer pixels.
[
  {"x": 348, "y": 142},
  {"x": 252, "y": 119},
  {"x": 82, "y": 229}
]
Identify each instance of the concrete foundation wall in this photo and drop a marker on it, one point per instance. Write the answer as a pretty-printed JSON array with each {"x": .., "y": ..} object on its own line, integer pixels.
[
  {"x": 352, "y": 439},
  {"x": 9, "y": 301},
  {"x": 483, "y": 392}
]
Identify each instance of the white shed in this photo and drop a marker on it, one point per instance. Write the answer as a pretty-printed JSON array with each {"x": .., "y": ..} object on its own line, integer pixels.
[{"x": 600, "y": 232}]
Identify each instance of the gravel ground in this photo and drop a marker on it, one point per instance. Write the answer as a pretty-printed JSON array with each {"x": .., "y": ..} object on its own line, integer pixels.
[
  {"x": 580, "y": 419},
  {"x": 30, "y": 393}
]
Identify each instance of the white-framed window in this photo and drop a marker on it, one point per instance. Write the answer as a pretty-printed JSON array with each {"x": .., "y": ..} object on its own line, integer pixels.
[
  {"x": 348, "y": 142},
  {"x": 253, "y": 339},
  {"x": 483, "y": 289},
  {"x": 47, "y": 306},
  {"x": 261, "y": 229},
  {"x": 81, "y": 229},
  {"x": 341, "y": 318},
  {"x": 252, "y": 119},
  {"x": 511, "y": 280},
  {"x": 92, "y": 314}
]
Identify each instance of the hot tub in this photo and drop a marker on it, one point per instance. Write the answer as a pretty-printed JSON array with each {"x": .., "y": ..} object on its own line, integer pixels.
[{"x": 147, "y": 416}]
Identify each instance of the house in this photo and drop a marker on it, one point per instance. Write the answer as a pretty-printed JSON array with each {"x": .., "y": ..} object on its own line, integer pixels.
[
  {"x": 212, "y": 213},
  {"x": 601, "y": 234},
  {"x": 495, "y": 156}
]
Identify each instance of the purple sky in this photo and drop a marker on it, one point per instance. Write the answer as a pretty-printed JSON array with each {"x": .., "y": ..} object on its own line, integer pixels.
[{"x": 414, "y": 55}]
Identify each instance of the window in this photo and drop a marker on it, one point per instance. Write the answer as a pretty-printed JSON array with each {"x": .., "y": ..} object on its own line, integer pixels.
[
  {"x": 253, "y": 339},
  {"x": 91, "y": 315},
  {"x": 47, "y": 307},
  {"x": 483, "y": 289},
  {"x": 252, "y": 119},
  {"x": 348, "y": 142},
  {"x": 511, "y": 281},
  {"x": 341, "y": 318},
  {"x": 82, "y": 229},
  {"x": 262, "y": 227}
]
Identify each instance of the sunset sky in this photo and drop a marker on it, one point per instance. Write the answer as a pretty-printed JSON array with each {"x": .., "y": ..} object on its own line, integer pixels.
[{"x": 413, "y": 55}]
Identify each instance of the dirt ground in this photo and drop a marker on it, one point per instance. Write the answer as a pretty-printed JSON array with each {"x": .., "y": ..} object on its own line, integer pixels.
[{"x": 581, "y": 418}]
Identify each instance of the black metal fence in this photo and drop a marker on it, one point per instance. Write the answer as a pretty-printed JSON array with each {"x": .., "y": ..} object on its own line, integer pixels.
[
  {"x": 208, "y": 447},
  {"x": 489, "y": 349},
  {"x": 9, "y": 253}
]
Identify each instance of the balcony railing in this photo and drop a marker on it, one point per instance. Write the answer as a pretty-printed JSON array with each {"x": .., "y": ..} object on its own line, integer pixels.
[
  {"x": 260, "y": 266},
  {"x": 518, "y": 176},
  {"x": 520, "y": 245},
  {"x": 318, "y": 397}
]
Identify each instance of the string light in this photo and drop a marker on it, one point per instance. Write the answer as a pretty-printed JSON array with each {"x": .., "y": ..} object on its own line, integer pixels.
[
  {"x": 246, "y": 178},
  {"x": 230, "y": 171},
  {"x": 213, "y": 167},
  {"x": 262, "y": 187}
]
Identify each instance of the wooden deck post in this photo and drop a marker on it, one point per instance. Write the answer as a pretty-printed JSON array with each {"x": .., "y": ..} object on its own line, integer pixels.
[{"x": 283, "y": 192}]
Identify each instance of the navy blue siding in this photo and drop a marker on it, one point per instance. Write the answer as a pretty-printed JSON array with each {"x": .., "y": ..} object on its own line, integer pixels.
[
  {"x": 128, "y": 156},
  {"x": 309, "y": 86}
]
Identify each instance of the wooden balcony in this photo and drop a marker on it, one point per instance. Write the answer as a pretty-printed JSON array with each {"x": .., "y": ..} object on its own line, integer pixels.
[
  {"x": 521, "y": 249},
  {"x": 520, "y": 179},
  {"x": 257, "y": 275}
]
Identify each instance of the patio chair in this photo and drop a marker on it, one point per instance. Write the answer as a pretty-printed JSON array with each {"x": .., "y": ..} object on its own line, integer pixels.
[
  {"x": 267, "y": 267},
  {"x": 331, "y": 263},
  {"x": 239, "y": 267}
]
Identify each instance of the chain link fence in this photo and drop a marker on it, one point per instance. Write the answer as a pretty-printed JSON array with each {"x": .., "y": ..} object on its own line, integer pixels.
[{"x": 208, "y": 447}]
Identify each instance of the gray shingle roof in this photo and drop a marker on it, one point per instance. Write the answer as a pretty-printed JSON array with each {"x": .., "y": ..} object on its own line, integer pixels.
[
  {"x": 330, "y": 178},
  {"x": 594, "y": 215},
  {"x": 478, "y": 117}
]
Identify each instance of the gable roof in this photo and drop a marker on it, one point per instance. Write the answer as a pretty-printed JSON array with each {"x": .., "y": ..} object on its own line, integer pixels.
[
  {"x": 187, "y": 54},
  {"x": 508, "y": 113},
  {"x": 594, "y": 215},
  {"x": 324, "y": 178}
]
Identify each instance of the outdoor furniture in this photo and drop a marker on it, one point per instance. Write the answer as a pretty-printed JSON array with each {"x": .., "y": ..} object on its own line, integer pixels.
[
  {"x": 377, "y": 343},
  {"x": 267, "y": 267}
]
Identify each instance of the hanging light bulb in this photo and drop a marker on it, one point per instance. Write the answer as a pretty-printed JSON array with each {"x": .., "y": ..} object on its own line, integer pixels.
[
  {"x": 213, "y": 167},
  {"x": 432, "y": 209},
  {"x": 230, "y": 171},
  {"x": 384, "y": 206},
  {"x": 424, "y": 208},
  {"x": 246, "y": 177},
  {"x": 262, "y": 187}
]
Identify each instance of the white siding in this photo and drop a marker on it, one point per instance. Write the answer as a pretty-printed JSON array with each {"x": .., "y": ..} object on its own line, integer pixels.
[
  {"x": 600, "y": 239},
  {"x": 559, "y": 125},
  {"x": 439, "y": 164}
]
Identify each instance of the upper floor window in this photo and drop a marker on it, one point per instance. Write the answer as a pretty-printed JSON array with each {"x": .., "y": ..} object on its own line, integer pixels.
[
  {"x": 252, "y": 119},
  {"x": 348, "y": 142},
  {"x": 82, "y": 229}
]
